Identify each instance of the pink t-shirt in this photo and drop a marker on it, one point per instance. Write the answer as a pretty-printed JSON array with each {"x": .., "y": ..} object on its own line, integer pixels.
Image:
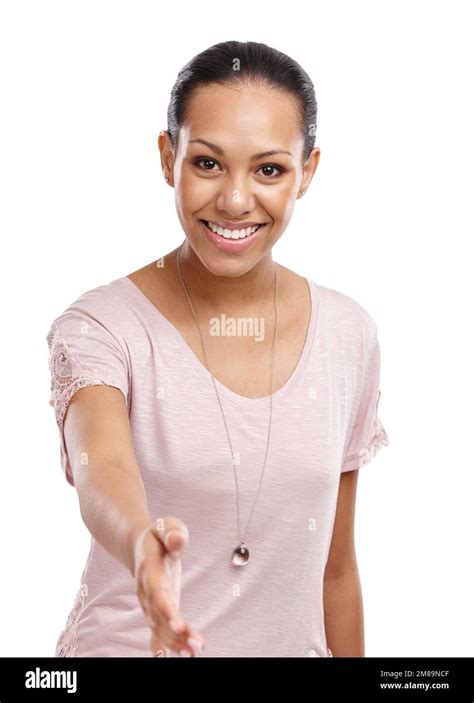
[{"x": 325, "y": 421}]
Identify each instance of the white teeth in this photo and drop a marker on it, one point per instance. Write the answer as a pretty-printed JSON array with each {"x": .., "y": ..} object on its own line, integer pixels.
[{"x": 234, "y": 233}]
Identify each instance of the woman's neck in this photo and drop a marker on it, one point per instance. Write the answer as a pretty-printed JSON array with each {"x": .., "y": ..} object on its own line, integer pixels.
[{"x": 226, "y": 292}]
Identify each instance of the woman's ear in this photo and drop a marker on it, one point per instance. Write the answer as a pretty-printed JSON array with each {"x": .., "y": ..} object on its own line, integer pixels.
[
  {"x": 166, "y": 147},
  {"x": 309, "y": 168}
]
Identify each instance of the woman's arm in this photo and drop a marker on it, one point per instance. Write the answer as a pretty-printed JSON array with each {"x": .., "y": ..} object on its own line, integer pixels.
[
  {"x": 343, "y": 606},
  {"x": 105, "y": 471},
  {"x": 114, "y": 508}
]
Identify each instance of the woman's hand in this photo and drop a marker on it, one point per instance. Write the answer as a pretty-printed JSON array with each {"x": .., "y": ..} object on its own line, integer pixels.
[{"x": 158, "y": 552}]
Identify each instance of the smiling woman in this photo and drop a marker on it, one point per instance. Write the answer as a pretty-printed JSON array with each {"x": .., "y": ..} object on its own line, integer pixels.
[
  {"x": 203, "y": 460},
  {"x": 240, "y": 140}
]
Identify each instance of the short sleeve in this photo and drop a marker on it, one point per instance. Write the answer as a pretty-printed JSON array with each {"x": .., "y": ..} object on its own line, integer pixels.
[
  {"x": 368, "y": 434},
  {"x": 82, "y": 352}
]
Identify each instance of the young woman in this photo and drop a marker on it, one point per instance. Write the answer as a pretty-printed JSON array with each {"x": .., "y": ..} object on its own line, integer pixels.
[{"x": 214, "y": 407}]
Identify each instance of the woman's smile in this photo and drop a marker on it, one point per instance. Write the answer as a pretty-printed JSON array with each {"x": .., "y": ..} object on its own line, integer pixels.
[{"x": 231, "y": 240}]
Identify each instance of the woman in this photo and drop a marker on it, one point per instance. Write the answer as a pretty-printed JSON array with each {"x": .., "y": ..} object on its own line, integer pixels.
[{"x": 214, "y": 407}]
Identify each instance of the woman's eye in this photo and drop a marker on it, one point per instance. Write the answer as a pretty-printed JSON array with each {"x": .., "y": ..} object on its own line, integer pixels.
[
  {"x": 271, "y": 167},
  {"x": 206, "y": 161}
]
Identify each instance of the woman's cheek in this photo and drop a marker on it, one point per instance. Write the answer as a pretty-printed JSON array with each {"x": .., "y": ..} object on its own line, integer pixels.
[
  {"x": 196, "y": 192},
  {"x": 277, "y": 201}
]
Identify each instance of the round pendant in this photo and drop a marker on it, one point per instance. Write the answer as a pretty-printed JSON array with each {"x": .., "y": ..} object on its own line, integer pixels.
[{"x": 240, "y": 555}]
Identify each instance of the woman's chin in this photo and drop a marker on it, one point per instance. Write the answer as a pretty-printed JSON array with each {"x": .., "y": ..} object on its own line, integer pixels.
[{"x": 220, "y": 263}]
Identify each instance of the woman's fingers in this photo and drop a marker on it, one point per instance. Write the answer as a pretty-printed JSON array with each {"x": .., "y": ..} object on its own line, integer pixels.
[
  {"x": 168, "y": 624},
  {"x": 159, "y": 576},
  {"x": 158, "y": 648},
  {"x": 172, "y": 572},
  {"x": 173, "y": 534},
  {"x": 163, "y": 612},
  {"x": 196, "y": 640},
  {"x": 157, "y": 604}
]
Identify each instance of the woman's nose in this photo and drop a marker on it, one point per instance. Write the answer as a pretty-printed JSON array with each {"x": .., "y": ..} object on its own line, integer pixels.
[{"x": 236, "y": 199}]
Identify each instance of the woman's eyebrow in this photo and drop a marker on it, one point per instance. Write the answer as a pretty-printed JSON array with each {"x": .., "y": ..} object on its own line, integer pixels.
[{"x": 261, "y": 155}]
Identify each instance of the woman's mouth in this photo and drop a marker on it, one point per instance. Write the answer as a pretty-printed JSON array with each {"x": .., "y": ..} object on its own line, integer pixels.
[
  {"x": 232, "y": 233},
  {"x": 231, "y": 240}
]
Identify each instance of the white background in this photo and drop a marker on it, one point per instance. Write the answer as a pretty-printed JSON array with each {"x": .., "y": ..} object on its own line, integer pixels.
[{"x": 387, "y": 220}]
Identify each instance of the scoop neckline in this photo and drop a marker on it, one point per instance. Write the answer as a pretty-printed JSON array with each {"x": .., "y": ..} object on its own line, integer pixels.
[{"x": 198, "y": 366}]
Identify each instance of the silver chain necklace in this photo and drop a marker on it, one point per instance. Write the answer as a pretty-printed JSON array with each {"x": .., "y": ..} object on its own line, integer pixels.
[{"x": 241, "y": 554}]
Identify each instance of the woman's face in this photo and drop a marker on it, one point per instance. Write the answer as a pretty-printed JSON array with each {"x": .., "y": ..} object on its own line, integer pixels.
[{"x": 223, "y": 178}]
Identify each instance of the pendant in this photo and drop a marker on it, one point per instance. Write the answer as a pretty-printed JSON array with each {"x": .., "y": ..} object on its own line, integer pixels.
[{"x": 240, "y": 555}]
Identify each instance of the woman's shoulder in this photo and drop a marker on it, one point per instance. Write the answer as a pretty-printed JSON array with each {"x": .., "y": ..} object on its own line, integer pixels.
[
  {"x": 337, "y": 309},
  {"x": 345, "y": 307},
  {"x": 344, "y": 323},
  {"x": 103, "y": 305}
]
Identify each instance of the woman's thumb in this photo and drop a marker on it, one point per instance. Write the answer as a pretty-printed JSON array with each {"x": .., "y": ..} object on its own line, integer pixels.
[{"x": 173, "y": 535}]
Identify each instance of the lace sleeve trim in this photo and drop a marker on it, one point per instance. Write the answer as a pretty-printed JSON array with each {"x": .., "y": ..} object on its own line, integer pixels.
[
  {"x": 364, "y": 456},
  {"x": 379, "y": 440},
  {"x": 65, "y": 379},
  {"x": 68, "y": 640}
]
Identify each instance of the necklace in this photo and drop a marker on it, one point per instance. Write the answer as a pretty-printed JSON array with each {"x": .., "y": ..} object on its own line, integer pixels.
[{"x": 241, "y": 554}]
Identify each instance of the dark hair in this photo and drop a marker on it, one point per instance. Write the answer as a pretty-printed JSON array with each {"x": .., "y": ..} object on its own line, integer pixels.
[{"x": 235, "y": 62}]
